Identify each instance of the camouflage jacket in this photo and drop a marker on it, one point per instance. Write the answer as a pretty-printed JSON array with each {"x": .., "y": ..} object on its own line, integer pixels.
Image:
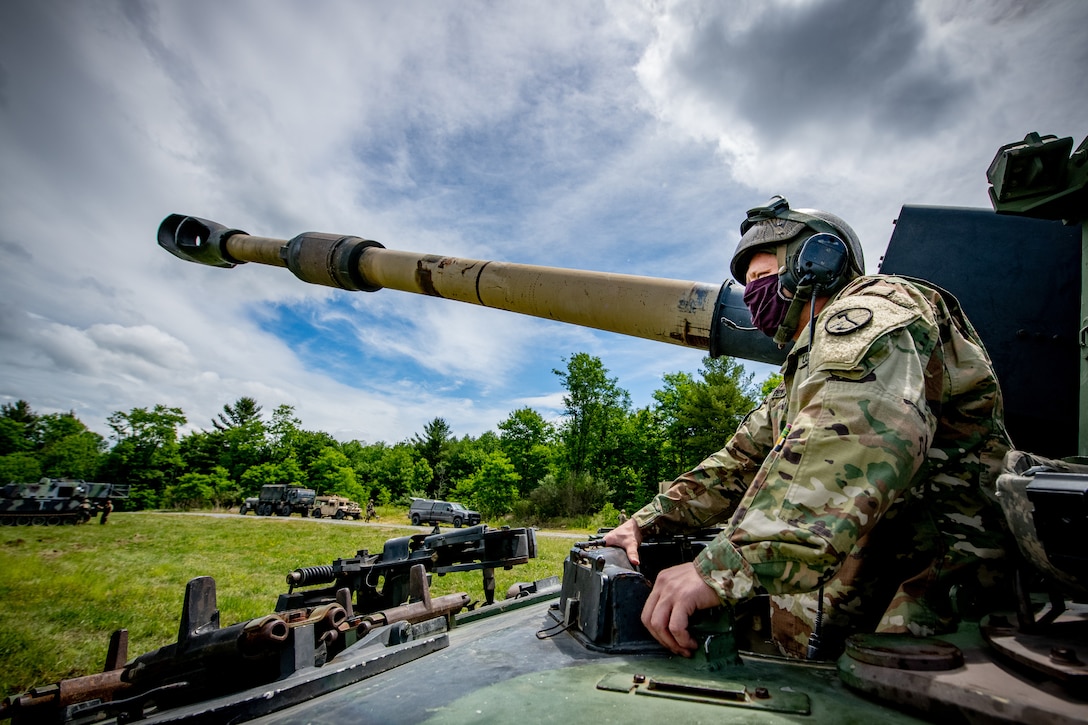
[{"x": 867, "y": 474}]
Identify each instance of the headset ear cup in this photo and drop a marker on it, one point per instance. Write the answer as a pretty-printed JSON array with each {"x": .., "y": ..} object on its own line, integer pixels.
[{"x": 822, "y": 262}]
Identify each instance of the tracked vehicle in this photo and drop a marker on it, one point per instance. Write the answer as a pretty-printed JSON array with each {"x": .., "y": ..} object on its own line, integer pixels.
[
  {"x": 575, "y": 651},
  {"x": 55, "y": 501}
]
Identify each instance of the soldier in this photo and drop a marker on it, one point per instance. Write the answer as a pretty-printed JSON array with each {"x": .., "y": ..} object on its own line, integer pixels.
[
  {"x": 107, "y": 508},
  {"x": 858, "y": 494},
  {"x": 86, "y": 512},
  {"x": 370, "y": 511}
]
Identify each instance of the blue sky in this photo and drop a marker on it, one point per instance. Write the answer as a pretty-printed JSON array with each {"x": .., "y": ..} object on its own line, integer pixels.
[{"x": 614, "y": 136}]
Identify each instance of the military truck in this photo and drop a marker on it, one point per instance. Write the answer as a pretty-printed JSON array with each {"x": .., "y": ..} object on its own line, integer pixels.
[
  {"x": 428, "y": 511},
  {"x": 575, "y": 652},
  {"x": 280, "y": 499},
  {"x": 336, "y": 507},
  {"x": 54, "y": 501}
]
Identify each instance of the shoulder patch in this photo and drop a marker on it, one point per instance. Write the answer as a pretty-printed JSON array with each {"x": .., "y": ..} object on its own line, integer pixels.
[
  {"x": 849, "y": 320},
  {"x": 852, "y": 324}
]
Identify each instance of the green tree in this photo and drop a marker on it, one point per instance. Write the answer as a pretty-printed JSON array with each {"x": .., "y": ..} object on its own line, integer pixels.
[
  {"x": 288, "y": 472},
  {"x": 282, "y": 431},
  {"x": 20, "y": 468},
  {"x": 668, "y": 408},
  {"x": 57, "y": 445},
  {"x": 434, "y": 445},
  {"x": 201, "y": 450},
  {"x": 224, "y": 491},
  {"x": 463, "y": 459},
  {"x": 240, "y": 434},
  {"x": 773, "y": 381},
  {"x": 13, "y": 437},
  {"x": 634, "y": 476},
  {"x": 718, "y": 404},
  {"x": 493, "y": 488},
  {"x": 145, "y": 454},
  {"x": 244, "y": 412},
  {"x": 488, "y": 441},
  {"x": 529, "y": 443},
  {"x": 55, "y": 426},
  {"x": 389, "y": 473},
  {"x": 192, "y": 490},
  {"x": 18, "y": 428},
  {"x": 68, "y": 448},
  {"x": 572, "y": 495},
  {"x": 699, "y": 416},
  {"x": 331, "y": 473},
  {"x": 74, "y": 456},
  {"x": 290, "y": 440},
  {"x": 196, "y": 490},
  {"x": 594, "y": 404}
]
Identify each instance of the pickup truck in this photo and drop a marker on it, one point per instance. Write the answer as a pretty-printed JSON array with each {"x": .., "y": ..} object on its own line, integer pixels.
[{"x": 426, "y": 511}]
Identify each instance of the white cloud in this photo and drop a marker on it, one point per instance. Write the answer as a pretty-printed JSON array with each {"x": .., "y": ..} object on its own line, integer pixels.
[
  {"x": 621, "y": 137},
  {"x": 857, "y": 110}
]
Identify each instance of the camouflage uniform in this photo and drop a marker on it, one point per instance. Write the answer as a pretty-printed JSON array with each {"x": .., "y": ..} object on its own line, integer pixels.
[{"x": 894, "y": 417}]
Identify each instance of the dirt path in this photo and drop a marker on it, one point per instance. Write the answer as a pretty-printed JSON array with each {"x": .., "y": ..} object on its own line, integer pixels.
[{"x": 377, "y": 524}]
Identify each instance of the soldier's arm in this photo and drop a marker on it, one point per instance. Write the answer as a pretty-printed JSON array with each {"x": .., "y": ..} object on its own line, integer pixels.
[
  {"x": 709, "y": 493},
  {"x": 860, "y": 435}
]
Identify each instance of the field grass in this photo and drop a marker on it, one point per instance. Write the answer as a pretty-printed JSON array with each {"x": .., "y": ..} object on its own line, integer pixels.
[{"x": 65, "y": 589}]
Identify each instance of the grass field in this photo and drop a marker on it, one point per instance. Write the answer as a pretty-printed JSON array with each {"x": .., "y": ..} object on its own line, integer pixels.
[{"x": 65, "y": 589}]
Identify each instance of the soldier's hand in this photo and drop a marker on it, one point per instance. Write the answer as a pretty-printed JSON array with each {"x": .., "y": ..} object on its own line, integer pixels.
[
  {"x": 626, "y": 536},
  {"x": 677, "y": 594}
]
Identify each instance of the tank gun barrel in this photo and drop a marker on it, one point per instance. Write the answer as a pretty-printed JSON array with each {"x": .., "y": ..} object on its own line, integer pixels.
[{"x": 709, "y": 317}]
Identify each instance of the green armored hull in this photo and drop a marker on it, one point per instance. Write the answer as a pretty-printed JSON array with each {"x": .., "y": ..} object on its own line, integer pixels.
[{"x": 55, "y": 501}]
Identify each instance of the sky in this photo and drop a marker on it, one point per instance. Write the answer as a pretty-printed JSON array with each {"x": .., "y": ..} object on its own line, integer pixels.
[{"x": 609, "y": 136}]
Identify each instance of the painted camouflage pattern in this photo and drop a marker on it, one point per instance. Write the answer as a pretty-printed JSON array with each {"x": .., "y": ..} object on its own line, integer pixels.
[
  {"x": 893, "y": 417},
  {"x": 48, "y": 501},
  {"x": 55, "y": 501}
]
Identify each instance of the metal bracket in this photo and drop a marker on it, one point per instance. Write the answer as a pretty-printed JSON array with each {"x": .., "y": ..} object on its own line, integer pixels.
[{"x": 711, "y": 692}]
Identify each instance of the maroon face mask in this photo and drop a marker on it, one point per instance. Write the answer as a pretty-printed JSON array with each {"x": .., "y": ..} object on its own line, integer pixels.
[{"x": 768, "y": 308}]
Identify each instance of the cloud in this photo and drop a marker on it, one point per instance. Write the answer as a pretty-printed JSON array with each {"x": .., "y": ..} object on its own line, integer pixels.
[
  {"x": 622, "y": 137},
  {"x": 858, "y": 108},
  {"x": 784, "y": 70},
  {"x": 142, "y": 343}
]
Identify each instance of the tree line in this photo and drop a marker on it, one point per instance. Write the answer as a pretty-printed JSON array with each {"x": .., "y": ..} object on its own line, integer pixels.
[{"x": 602, "y": 454}]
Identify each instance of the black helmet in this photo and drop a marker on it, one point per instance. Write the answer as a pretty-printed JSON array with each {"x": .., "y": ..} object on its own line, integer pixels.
[{"x": 769, "y": 226}]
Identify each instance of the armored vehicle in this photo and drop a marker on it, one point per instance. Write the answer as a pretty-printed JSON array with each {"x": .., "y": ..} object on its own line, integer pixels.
[
  {"x": 54, "y": 501},
  {"x": 336, "y": 507},
  {"x": 281, "y": 500},
  {"x": 426, "y": 511},
  {"x": 576, "y": 651}
]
